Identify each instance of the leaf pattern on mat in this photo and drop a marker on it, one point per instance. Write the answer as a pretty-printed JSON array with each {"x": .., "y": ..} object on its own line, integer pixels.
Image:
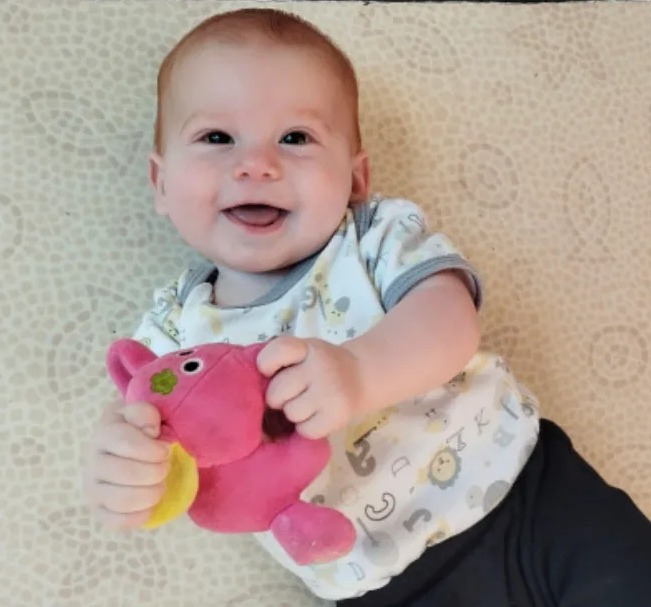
[
  {"x": 587, "y": 207},
  {"x": 560, "y": 45},
  {"x": 77, "y": 124}
]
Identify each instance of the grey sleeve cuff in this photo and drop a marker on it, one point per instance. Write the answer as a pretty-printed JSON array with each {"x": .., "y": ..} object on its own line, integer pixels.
[{"x": 416, "y": 274}]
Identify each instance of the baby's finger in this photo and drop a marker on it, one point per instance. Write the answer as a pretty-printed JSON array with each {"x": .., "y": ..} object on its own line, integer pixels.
[
  {"x": 285, "y": 386},
  {"x": 315, "y": 427},
  {"x": 299, "y": 410},
  {"x": 126, "y": 500},
  {"x": 128, "y": 472},
  {"x": 122, "y": 521},
  {"x": 124, "y": 440},
  {"x": 284, "y": 351},
  {"x": 143, "y": 416}
]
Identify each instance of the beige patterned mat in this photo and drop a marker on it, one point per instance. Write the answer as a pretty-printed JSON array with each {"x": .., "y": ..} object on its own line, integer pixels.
[{"x": 526, "y": 130}]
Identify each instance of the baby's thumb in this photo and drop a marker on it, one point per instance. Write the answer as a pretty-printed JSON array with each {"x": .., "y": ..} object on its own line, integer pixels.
[{"x": 143, "y": 416}]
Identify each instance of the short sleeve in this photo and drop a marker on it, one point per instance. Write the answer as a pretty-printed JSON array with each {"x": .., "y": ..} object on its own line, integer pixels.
[
  {"x": 158, "y": 329},
  {"x": 400, "y": 252}
]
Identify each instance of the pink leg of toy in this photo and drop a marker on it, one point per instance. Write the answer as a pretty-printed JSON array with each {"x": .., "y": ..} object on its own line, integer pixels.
[{"x": 313, "y": 534}]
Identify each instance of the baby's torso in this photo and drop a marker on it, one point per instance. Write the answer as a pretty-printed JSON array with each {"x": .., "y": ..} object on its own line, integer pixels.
[{"x": 409, "y": 476}]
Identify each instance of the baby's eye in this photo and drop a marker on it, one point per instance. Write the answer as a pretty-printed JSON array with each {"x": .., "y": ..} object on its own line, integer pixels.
[
  {"x": 296, "y": 138},
  {"x": 217, "y": 138}
]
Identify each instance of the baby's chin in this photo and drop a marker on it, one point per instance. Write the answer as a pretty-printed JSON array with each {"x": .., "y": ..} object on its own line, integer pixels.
[
  {"x": 273, "y": 257},
  {"x": 267, "y": 266}
]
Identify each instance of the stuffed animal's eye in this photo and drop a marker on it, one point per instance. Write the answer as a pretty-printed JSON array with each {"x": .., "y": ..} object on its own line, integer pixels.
[
  {"x": 185, "y": 352},
  {"x": 190, "y": 367}
]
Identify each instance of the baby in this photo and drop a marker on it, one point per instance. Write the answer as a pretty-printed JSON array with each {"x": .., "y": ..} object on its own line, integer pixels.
[{"x": 460, "y": 495}]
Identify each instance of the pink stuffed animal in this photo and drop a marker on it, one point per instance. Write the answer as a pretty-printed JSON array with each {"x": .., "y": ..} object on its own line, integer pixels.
[{"x": 211, "y": 401}]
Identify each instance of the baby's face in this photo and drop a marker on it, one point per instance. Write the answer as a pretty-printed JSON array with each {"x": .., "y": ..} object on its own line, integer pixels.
[{"x": 259, "y": 164}]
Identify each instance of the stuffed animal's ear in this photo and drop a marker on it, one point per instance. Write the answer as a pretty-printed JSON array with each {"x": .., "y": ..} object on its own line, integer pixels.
[{"x": 124, "y": 358}]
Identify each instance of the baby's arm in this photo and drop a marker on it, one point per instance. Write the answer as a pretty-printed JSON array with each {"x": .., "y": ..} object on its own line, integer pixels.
[{"x": 421, "y": 343}]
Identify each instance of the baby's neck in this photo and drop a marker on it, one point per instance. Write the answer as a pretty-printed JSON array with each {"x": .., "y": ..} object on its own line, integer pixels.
[{"x": 235, "y": 289}]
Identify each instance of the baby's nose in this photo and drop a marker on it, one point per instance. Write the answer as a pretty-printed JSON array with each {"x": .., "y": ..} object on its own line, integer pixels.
[{"x": 258, "y": 164}]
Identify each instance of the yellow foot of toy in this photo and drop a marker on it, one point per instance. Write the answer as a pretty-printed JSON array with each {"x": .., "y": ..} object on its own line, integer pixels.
[{"x": 181, "y": 487}]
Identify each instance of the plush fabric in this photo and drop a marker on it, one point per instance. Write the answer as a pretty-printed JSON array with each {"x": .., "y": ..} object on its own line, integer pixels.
[
  {"x": 211, "y": 399},
  {"x": 525, "y": 131}
]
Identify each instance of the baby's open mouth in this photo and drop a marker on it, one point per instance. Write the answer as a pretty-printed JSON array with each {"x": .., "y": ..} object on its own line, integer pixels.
[{"x": 259, "y": 215}]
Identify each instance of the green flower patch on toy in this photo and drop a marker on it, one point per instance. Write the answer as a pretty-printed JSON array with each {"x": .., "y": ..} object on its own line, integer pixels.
[{"x": 163, "y": 382}]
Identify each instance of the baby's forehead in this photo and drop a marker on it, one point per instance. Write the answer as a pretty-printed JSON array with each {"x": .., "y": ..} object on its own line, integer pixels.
[
  {"x": 254, "y": 49},
  {"x": 225, "y": 73}
]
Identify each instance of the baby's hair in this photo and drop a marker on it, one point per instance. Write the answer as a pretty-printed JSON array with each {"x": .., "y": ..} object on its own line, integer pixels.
[{"x": 248, "y": 24}]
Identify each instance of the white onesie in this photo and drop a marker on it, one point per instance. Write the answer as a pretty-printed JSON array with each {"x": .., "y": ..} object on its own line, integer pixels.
[{"x": 411, "y": 475}]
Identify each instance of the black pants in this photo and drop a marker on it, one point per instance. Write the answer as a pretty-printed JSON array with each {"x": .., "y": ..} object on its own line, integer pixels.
[{"x": 561, "y": 538}]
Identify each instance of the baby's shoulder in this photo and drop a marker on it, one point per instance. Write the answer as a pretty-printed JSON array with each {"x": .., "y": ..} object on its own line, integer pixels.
[
  {"x": 176, "y": 290},
  {"x": 382, "y": 210},
  {"x": 378, "y": 202},
  {"x": 200, "y": 273}
]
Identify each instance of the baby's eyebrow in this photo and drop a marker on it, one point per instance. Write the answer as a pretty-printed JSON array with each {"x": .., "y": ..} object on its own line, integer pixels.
[
  {"x": 203, "y": 115},
  {"x": 314, "y": 116}
]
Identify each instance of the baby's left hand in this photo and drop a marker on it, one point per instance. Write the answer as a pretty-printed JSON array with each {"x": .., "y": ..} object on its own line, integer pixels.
[{"x": 318, "y": 385}]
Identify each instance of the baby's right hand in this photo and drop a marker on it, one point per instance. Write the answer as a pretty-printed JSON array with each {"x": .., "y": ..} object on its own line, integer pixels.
[{"x": 126, "y": 466}]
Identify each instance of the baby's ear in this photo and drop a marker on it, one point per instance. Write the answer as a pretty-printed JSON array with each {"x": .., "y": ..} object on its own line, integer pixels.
[
  {"x": 361, "y": 178},
  {"x": 124, "y": 358},
  {"x": 156, "y": 180}
]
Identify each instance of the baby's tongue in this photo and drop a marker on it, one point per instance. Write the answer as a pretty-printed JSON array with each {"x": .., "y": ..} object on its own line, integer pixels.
[{"x": 256, "y": 214}]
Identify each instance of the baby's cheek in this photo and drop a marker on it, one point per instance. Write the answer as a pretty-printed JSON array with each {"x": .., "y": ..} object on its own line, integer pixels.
[{"x": 197, "y": 180}]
